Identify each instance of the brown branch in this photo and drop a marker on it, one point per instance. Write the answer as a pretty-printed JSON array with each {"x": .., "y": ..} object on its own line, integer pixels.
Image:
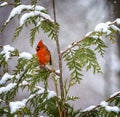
[
  {"x": 59, "y": 61},
  {"x": 75, "y": 44},
  {"x": 52, "y": 71},
  {"x": 58, "y": 50}
]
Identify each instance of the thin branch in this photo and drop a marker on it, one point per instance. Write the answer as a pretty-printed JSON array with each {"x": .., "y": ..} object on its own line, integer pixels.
[
  {"x": 62, "y": 112},
  {"x": 76, "y": 43},
  {"x": 52, "y": 71},
  {"x": 58, "y": 50},
  {"x": 98, "y": 106}
]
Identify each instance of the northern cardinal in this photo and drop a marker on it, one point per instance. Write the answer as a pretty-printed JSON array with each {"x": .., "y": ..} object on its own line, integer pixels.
[{"x": 43, "y": 54}]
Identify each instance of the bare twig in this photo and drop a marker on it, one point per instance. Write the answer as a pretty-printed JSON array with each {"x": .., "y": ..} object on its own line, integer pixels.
[
  {"x": 59, "y": 61},
  {"x": 52, "y": 71},
  {"x": 58, "y": 50}
]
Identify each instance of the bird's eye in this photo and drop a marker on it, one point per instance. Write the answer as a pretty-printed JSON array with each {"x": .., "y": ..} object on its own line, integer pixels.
[{"x": 38, "y": 48}]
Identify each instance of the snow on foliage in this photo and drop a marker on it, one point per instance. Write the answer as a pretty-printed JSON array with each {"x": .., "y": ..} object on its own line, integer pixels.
[
  {"x": 14, "y": 106},
  {"x": 116, "y": 93},
  {"x": 112, "y": 109},
  {"x": 32, "y": 14},
  {"x": 104, "y": 103},
  {"x": 6, "y": 51},
  {"x": 17, "y": 10},
  {"x": 3, "y": 4},
  {"x": 117, "y": 21},
  {"x": 25, "y": 55},
  {"x": 51, "y": 94},
  {"x": 5, "y": 77},
  {"x": 115, "y": 28},
  {"x": 7, "y": 88},
  {"x": 103, "y": 27},
  {"x": 89, "y": 108}
]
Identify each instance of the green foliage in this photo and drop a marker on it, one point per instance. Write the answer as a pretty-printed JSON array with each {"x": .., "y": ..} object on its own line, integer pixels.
[
  {"x": 98, "y": 43},
  {"x": 79, "y": 58},
  {"x": 48, "y": 27},
  {"x": 39, "y": 18}
]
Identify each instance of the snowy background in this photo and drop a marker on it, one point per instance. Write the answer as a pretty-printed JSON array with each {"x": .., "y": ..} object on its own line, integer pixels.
[{"x": 76, "y": 19}]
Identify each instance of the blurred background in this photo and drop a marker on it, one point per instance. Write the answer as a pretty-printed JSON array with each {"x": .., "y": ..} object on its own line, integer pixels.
[{"x": 76, "y": 19}]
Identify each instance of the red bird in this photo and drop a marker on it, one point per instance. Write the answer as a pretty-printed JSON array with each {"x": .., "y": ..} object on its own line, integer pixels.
[{"x": 43, "y": 54}]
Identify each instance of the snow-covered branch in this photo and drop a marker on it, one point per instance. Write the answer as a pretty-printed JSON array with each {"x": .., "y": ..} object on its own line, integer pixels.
[
  {"x": 99, "y": 31},
  {"x": 105, "y": 105}
]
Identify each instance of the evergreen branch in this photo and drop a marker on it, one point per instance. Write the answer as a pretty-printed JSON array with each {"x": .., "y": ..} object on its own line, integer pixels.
[
  {"x": 97, "y": 34},
  {"x": 85, "y": 113},
  {"x": 17, "y": 32}
]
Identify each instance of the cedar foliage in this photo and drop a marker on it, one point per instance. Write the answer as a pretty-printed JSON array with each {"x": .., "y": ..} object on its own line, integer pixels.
[{"x": 27, "y": 73}]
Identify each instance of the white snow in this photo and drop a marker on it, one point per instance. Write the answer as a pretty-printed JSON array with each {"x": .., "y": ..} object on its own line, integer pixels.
[
  {"x": 41, "y": 91},
  {"x": 7, "y": 49},
  {"x": 5, "y": 77},
  {"x": 112, "y": 108},
  {"x": 103, "y": 27},
  {"x": 39, "y": 22},
  {"x": 69, "y": 46},
  {"x": 14, "y": 106},
  {"x": 115, "y": 28},
  {"x": 17, "y": 10},
  {"x": 25, "y": 55},
  {"x": 7, "y": 88},
  {"x": 51, "y": 94},
  {"x": 58, "y": 71},
  {"x": 95, "y": 36},
  {"x": 3, "y": 4},
  {"x": 116, "y": 93},
  {"x": 109, "y": 108},
  {"x": 88, "y": 34},
  {"x": 32, "y": 14},
  {"x": 24, "y": 83},
  {"x": 104, "y": 103},
  {"x": 89, "y": 108},
  {"x": 117, "y": 21}
]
